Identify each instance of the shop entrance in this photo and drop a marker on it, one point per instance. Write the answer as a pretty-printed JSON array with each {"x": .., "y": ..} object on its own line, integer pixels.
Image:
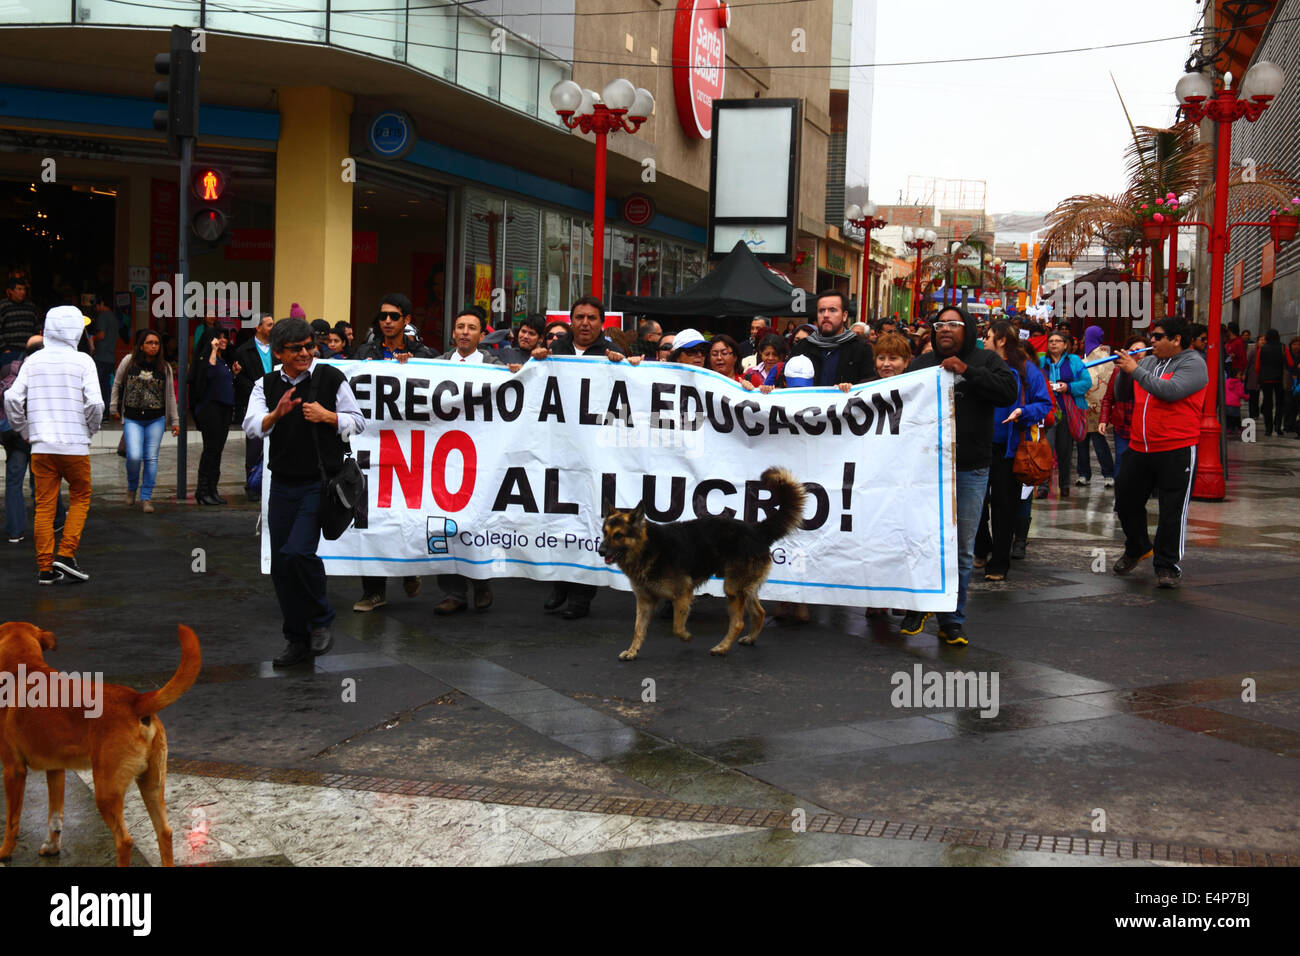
[{"x": 60, "y": 236}]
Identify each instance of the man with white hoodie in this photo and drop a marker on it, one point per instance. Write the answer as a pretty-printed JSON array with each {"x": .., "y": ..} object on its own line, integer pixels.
[{"x": 56, "y": 404}]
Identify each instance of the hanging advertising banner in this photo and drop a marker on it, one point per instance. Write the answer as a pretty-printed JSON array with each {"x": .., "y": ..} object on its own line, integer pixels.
[
  {"x": 753, "y": 177},
  {"x": 699, "y": 62},
  {"x": 476, "y": 471}
]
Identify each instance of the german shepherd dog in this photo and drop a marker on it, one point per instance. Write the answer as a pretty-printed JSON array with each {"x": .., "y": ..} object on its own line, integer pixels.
[{"x": 672, "y": 560}]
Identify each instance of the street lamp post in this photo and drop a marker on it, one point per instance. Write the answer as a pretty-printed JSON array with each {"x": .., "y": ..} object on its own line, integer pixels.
[
  {"x": 864, "y": 217},
  {"x": 918, "y": 241},
  {"x": 620, "y": 106},
  {"x": 1262, "y": 83}
]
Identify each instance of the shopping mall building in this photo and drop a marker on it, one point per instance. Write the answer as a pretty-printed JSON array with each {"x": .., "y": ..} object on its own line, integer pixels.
[{"x": 468, "y": 186}]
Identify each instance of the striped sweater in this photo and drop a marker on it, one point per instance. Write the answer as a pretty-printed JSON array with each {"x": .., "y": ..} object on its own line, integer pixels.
[{"x": 55, "y": 402}]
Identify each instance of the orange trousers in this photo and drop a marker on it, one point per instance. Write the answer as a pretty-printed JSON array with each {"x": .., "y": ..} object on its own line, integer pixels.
[{"x": 49, "y": 471}]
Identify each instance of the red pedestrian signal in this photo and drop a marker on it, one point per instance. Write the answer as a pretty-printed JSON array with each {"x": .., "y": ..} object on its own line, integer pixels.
[
  {"x": 211, "y": 216},
  {"x": 207, "y": 184}
]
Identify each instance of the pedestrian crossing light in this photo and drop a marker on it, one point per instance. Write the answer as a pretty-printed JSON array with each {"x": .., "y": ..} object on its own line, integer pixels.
[{"x": 211, "y": 218}]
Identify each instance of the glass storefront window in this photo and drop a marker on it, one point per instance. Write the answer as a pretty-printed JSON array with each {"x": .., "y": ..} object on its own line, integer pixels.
[
  {"x": 484, "y": 222},
  {"x": 672, "y": 268},
  {"x": 431, "y": 38},
  {"x": 649, "y": 266},
  {"x": 520, "y": 280},
  {"x": 622, "y": 256},
  {"x": 583, "y": 236},
  {"x": 693, "y": 267},
  {"x": 557, "y": 241},
  {"x": 282, "y": 19},
  {"x": 377, "y": 27}
]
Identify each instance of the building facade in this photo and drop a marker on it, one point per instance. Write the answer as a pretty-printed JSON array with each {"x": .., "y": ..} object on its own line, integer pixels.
[{"x": 383, "y": 147}]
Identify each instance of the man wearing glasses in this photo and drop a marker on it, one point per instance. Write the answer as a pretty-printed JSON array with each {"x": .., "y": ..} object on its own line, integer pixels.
[
  {"x": 984, "y": 382},
  {"x": 1168, "y": 394},
  {"x": 389, "y": 342},
  {"x": 289, "y": 405}
]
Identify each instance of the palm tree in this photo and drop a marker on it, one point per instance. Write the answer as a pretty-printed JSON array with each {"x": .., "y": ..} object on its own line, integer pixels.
[{"x": 1159, "y": 162}]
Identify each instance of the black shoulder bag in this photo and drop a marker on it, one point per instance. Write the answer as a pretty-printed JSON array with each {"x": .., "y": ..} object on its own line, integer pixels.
[{"x": 343, "y": 495}]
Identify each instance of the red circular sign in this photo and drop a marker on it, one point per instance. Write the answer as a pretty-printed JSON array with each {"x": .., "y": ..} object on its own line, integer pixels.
[
  {"x": 638, "y": 210},
  {"x": 699, "y": 58}
]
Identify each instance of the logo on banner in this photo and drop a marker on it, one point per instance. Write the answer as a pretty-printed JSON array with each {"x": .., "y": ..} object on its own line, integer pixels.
[{"x": 439, "y": 529}]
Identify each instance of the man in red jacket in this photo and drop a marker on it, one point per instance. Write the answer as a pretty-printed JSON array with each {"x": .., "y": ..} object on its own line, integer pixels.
[{"x": 1168, "y": 393}]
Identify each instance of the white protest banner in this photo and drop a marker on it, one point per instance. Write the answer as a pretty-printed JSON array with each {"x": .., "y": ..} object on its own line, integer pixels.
[{"x": 477, "y": 471}]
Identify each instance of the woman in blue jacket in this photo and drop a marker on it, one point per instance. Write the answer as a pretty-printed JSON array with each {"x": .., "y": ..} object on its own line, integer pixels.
[
  {"x": 1068, "y": 381},
  {"x": 1002, "y": 505}
]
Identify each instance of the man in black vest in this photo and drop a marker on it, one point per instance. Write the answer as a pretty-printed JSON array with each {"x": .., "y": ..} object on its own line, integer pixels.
[{"x": 289, "y": 404}]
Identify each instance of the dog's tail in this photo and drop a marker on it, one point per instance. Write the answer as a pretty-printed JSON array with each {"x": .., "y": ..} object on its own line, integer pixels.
[
  {"x": 182, "y": 680},
  {"x": 790, "y": 496}
]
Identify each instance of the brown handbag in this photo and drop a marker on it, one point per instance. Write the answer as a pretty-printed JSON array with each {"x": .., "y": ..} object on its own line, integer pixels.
[{"x": 1034, "y": 455}]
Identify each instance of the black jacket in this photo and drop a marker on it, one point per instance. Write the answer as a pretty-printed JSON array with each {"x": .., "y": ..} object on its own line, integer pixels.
[
  {"x": 374, "y": 349},
  {"x": 857, "y": 360},
  {"x": 250, "y": 371},
  {"x": 986, "y": 384}
]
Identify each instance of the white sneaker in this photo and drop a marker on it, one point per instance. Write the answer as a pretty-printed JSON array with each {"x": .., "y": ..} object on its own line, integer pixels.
[
  {"x": 1081, "y": 482},
  {"x": 1110, "y": 483}
]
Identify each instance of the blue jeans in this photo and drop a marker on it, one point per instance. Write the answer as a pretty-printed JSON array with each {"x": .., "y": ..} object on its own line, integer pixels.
[
  {"x": 17, "y": 458},
  {"x": 142, "y": 442},
  {"x": 971, "y": 487}
]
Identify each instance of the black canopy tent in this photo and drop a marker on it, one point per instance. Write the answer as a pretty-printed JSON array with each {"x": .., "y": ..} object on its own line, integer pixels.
[{"x": 740, "y": 287}]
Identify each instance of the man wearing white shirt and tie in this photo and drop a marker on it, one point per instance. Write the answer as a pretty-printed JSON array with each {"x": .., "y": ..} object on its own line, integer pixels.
[{"x": 466, "y": 333}]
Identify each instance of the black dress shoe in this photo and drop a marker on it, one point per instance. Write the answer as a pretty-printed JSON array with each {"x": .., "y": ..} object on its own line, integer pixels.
[
  {"x": 322, "y": 639},
  {"x": 556, "y": 599},
  {"x": 217, "y": 499},
  {"x": 293, "y": 653},
  {"x": 575, "y": 611}
]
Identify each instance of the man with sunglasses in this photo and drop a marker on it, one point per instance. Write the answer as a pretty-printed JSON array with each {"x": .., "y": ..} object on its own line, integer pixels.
[
  {"x": 1168, "y": 395},
  {"x": 290, "y": 404},
  {"x": 389, "y": 342}
]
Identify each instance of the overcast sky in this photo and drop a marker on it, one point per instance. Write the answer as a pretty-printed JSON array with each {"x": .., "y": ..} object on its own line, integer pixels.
[{"x": 1036, "y": 129}]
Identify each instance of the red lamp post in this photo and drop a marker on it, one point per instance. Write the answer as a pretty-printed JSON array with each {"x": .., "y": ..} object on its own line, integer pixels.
[
  {"x": 864, "y": 218},
  {"x": 1199, "y": 101},
  {"x": 620, "y": 106},
  {"x": 918, "y": 241}
]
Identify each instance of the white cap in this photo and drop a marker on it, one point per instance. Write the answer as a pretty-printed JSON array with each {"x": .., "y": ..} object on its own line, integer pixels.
[
  {"x": 799, "y": 372},
  {"x": 687, "y": 339}
]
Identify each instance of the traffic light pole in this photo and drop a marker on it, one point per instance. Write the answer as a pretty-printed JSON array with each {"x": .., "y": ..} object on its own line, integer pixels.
[{"x": 182, "y": 320}]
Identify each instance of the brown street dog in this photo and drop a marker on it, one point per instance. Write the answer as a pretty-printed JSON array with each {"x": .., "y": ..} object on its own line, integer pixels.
[
  {"x": 125, "y": 741},
  {"x": 672, "y": 560}
]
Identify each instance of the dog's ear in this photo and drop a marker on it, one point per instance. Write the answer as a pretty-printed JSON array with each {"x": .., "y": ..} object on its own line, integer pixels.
[
  {"x": 638, "y": 516},
  {"x": 606, "y": 508},
  {"x": 47, "y": 641}
]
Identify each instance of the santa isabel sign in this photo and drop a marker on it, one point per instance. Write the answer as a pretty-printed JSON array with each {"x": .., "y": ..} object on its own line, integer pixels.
[{"x": 699, "y": 52}]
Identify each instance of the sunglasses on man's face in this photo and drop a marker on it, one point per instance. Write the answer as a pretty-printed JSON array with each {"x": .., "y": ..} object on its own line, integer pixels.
[
  {"x": 1157, "y": 336},
  {"x": 390, "y": 316},
  {"x": 552, "y": 336},
  {"x": 665, "y": 348},
  {"x": 300, "y": 347}
]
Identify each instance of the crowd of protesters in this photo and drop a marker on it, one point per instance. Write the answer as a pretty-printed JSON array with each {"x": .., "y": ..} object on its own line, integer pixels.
[{"x": 1020, "y": 384}]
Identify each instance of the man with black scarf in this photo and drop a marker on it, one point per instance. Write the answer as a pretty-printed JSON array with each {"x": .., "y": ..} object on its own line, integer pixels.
[
  {"x": 984, "y": 382},
  {"x": 838, "y": 356}
]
